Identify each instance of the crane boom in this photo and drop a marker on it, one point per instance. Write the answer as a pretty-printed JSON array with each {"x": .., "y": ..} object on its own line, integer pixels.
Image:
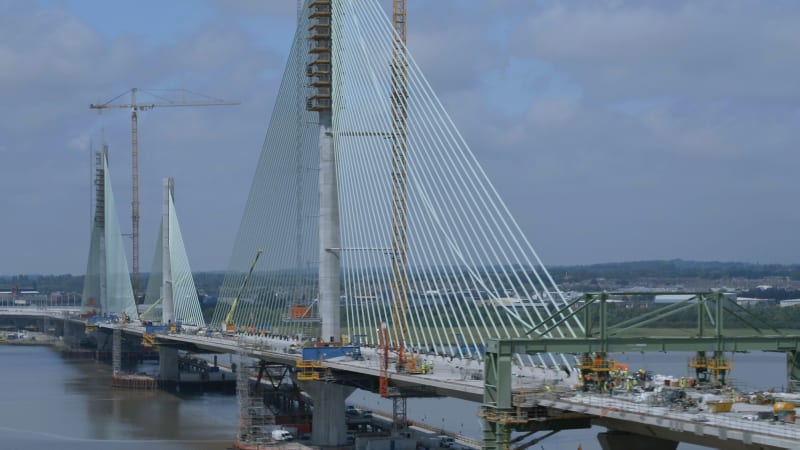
[
  {"x": 146, "y": 106},
  {"x": 150, "y": 308},
  {"x": 135, "y": 106},
  {"x": 227, "y": 325}
]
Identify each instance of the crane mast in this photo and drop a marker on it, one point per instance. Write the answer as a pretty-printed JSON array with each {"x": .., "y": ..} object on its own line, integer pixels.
[
  {"x": 399, "y": 99},
  {"x": 399, "y": 102},
  {"x": 135, "y": 107},
  {"x": 135, "y": 196}
]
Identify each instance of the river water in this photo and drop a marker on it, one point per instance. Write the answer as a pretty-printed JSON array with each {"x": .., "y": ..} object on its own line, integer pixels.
[
  {"x": 51, "y": 403},
  {"x": 47, "y": 402}
]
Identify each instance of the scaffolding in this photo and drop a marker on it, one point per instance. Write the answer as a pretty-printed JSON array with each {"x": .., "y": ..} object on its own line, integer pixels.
[
  {"x": 116, "y": 352},
  {"x": 254, "y": 416}
]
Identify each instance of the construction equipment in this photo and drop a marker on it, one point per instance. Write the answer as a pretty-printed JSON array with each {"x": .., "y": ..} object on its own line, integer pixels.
[
  {"x": 597, "y": 371},
  {"x": 383, "y": 386},
  {"x": 150, "y": 308},
  {"x": 784, "y": 412},
  {"x": 711, "y": 369},
  {"x": 149, "y": 340},
  {"x": 135, "y": 107},
  {"x": 303, "y": 313},
  {"x": 407, "y": 362},
  {"x": 227, "y": 324},
  {"x": 399, "y": 106},
  {"x": 399, "y": 100}
]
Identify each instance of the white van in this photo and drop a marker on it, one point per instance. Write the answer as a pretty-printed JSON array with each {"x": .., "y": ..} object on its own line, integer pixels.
[{"x": 281, "y": 435}]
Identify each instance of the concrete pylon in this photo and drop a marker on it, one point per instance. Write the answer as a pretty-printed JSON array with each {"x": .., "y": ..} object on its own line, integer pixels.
[
  {"x": 167, "y": 357},
  {"x": 167, "y": 302},
  {"x": 329, "y": 426},
  {"x": 329, "y": 239},
  {"x": 621, "y": 440}
]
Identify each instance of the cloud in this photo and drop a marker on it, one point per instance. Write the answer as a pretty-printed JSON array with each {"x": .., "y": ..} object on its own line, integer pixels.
[
  {"x": 613, "y": 130},
  {"x": 53, "y": 63},
  {"x": 630, "y": 130},
  {"x": 706, "y": 49},
  {"x": 80, "y": 143}
]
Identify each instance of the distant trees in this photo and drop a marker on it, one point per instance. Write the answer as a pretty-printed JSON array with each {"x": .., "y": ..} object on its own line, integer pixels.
[{"x": 677, "y": 268}]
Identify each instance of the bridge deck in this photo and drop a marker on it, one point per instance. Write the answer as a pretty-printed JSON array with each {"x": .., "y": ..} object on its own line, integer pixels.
[
  {"x": 702, "y": 428},
  {"x": 453, "y": 378}
]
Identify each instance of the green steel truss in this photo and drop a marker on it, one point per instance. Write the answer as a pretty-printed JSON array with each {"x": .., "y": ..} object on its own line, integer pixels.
[{"x": 498, "y": 414}]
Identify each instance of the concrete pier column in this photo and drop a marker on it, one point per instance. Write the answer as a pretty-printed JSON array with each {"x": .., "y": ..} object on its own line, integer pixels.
[
  {"x": 329, "y": 239},
  {"x": 620, "y": 440},
  {"x": 792, "y": 371},
  {"x": 60, "y": 325},
  {"x": 103, "y": 342},
  {"x": 329, "y": 427},
  {"x": 168, "y": 363},
  {"x": 73, "y": 333},
  {"x": 116, "y": 352},
  {"x": 67, "y": 333}
]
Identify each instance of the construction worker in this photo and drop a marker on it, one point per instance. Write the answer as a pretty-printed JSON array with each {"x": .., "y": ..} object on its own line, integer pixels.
[
  {"x": 628, "y": 383},
  {"x": 683, "y": 383}
]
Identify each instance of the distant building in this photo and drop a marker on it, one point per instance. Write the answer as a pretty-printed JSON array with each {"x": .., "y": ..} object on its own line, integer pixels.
[
  {"x": 747, "y": 301},
  {"x": 665, "y": 299},
  {"x": 790, "y": 302}
]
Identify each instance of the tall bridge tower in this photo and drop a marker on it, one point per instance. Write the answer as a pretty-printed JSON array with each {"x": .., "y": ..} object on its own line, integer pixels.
[
  {"x": 329, "y": 424},
  {"x": 319, "y": 72}
]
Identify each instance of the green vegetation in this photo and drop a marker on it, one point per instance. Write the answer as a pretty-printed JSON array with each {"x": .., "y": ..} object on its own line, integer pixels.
[
  {"x": 581, "y": 278},
  {"x": 677, "y": 268}
]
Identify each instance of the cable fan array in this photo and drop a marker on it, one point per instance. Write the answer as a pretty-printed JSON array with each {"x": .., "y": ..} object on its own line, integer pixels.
[{"x": 469, "y": 272}]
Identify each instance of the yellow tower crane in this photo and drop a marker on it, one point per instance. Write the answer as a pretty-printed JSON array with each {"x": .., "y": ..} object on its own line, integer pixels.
[
  {"x": 135, "y": 107},
  {"x": 406, "y": 362}
]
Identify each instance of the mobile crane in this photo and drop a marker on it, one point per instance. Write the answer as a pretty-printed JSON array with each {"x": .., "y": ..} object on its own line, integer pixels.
[{"x": 227, "y": 325}]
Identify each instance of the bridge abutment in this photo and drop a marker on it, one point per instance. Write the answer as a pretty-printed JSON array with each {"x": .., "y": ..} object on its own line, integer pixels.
[
  {"x": 329, "y": 426},
  {"x": 622, "y": 440}
]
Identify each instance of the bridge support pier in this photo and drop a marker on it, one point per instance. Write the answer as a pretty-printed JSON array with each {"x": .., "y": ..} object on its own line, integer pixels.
[
  {"x": 103, "y": 344},
  {"x": 168, "y": 363},
  {"x": 73, "y": 332},
  {"x": 621, "y": 440},
  {"x": 116, "y": 352},
  {"x": 329, "y": 427},
  {"x": 496, "y": 435},
  {"x": 793, "y": 371}
]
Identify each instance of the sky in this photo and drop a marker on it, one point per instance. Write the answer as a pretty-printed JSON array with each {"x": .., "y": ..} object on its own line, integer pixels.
[{"x": 613, "y": 130}]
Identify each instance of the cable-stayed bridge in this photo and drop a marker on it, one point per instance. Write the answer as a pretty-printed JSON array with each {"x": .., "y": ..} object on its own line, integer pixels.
[
  {"x": 364, "y": 175},
  {"x": 378, "y": 226}
]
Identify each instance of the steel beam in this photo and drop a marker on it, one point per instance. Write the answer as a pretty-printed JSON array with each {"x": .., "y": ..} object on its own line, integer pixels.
[{"x": 656, "y": 344}]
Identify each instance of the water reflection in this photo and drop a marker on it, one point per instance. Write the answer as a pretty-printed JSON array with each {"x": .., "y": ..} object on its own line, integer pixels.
[{"x": 50, "y": 402}]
